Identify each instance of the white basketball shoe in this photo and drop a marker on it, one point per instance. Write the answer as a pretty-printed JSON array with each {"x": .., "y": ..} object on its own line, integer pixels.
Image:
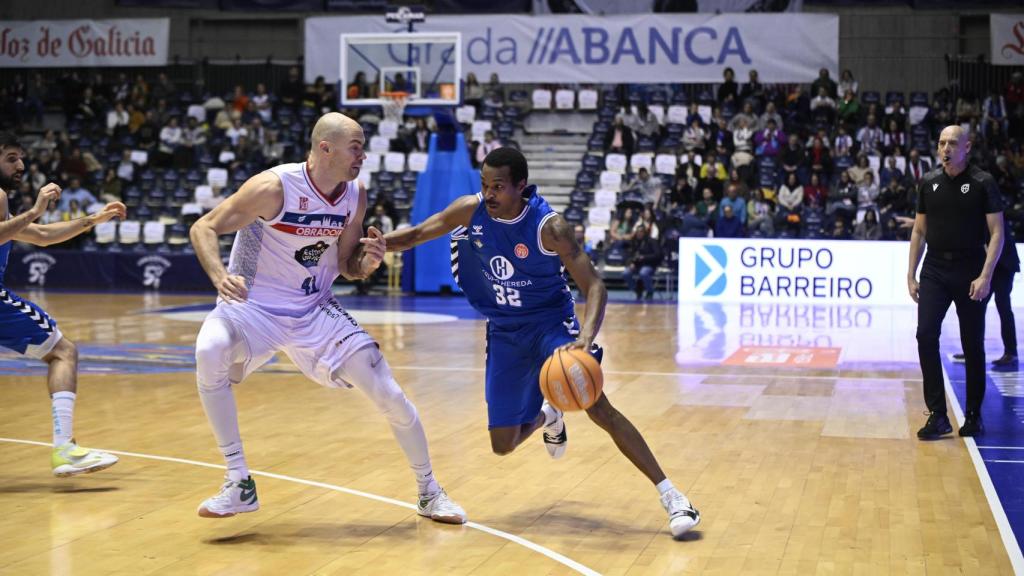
[
  {"x": 555, "y": 437},
  {"x": 235, "y": 497},
  {"x": 70, "y": 459},
  {"x": 440, "y": 508},
  {"x": 682, "y": 516}
]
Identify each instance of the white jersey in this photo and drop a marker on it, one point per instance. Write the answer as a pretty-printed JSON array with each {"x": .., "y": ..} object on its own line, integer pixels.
[{"x": 290, "y": 262}]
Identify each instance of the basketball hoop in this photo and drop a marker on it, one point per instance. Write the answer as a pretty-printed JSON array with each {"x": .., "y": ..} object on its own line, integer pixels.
[{"x": 393, "y": 104}]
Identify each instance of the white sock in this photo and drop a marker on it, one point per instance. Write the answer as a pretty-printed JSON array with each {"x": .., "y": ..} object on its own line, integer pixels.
[
  {"x": 427, "y": 484},
  {"x": 550, "y": 415},
  {"x": 665, "y": 486},
  {"x": 220, "y": 410},
  {"x": 63, "y": 410}
]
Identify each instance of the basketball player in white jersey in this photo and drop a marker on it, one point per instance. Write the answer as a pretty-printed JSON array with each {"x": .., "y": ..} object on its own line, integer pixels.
[{"x": 299, "y": 226}]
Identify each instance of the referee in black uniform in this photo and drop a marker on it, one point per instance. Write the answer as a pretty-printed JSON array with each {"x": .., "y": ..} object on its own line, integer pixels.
[{"x": 959, "y": 208}]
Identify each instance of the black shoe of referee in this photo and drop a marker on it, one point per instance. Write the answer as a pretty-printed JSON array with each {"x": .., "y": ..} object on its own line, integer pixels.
[
  {"x": 973, "y": 426},
  {"x": 937, "y": 426}
]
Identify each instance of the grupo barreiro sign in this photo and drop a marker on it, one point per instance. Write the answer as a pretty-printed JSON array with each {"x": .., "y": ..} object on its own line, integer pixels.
[
  {"x": 822, "y": 271},
  {"x": 66, "y": 43},
  {"x": 644, "y": 48}
]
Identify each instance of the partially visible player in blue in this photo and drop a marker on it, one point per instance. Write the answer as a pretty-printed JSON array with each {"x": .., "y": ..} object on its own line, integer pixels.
[
  {"x": 509, "y": 254},
  {"x": 26, "y": 328}
]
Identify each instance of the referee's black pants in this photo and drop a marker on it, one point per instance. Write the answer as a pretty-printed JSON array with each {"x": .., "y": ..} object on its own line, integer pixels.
[
  {"x": 945, "y": 280},
  {"x": 1002, "y": 285}
]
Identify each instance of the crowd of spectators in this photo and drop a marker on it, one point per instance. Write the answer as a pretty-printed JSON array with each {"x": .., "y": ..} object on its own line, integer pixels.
[
  {"x": 820, "y": 160},
  {"x": 149, "y": 142}
]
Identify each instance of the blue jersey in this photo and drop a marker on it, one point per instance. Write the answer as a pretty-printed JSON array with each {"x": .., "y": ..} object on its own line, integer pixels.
[
  {"x": 5, "y": 252},
  {"x": 505, "y": 271}
]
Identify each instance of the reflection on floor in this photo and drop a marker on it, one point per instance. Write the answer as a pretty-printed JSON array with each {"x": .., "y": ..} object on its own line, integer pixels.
[{"x": 849, "y": 367}]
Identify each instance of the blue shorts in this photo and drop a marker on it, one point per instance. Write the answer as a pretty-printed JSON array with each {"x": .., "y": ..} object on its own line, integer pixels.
[
  {"x": 24, "y": 327},
  {"x": 515, "y": 355}
]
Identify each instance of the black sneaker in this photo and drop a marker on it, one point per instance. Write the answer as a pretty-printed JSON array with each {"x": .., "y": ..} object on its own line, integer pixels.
[
  {"x": 973, "y": 426},
  {"x": 959, "y": 357},
  {"x": 937, "y": 426},
  {"x": 1005, "y": 361}
]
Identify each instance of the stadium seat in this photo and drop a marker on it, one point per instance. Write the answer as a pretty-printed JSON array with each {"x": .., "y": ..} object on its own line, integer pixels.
[
  {"x": 465, "y": 114},
  {"x": 595, "y": 234},
  {"x": 480, "y": 127},
  {"x": 217, "y": 177},
  {"x": 600, "y": 217},
  {"x": 587, "y": 99},
  {"x": 153, "y": 233},
  {"x": 565, "y": 99},
  {"x": 611, "y": 180},
  {"x": 394, "y": 162},
  {"x": 380, "y": 144},
  {"x": 605, "y": 198},
  {"x": 638, "y": 161},
  {"x": 418, "y": 161},
  {"x": 372, "y": 162},
  {"x": 128, "y": 232},
  {"x": 541, "y": 99},
  {"x": 106, "y": 233},
  {"x": 676, "y": 115},
  {"x": 615, "y": 163},
  {"x": 665, "y": 164}
]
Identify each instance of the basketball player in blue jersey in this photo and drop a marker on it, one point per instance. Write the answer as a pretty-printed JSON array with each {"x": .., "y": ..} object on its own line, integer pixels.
[
  {"x": 509, "y": 251},
  {"x": 27, "y": 329}
]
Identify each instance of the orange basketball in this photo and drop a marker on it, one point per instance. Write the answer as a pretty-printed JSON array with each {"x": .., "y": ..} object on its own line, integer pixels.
[{"x": 571, "y": 380}]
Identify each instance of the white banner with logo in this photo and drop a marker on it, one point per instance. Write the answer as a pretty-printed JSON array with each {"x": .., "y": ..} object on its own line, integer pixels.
[
  {"x": 640, "y": 48},
  {"x": 68, "y": 43},
  {"x": 811, "y": 271},
  {"x": 1007, "y": 39}
]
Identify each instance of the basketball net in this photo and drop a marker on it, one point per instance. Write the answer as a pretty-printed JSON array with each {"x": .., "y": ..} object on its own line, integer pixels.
[{"x": 393, "y": 104}]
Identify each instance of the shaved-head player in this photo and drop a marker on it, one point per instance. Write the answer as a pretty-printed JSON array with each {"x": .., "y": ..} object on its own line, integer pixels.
[{"x": 299, "y": 226}]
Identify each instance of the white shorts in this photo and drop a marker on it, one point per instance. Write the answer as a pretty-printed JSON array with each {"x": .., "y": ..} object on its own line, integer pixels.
[{"x": 318, "y": 342}]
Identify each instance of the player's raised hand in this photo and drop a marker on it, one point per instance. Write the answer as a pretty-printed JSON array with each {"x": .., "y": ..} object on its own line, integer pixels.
[
  {"x": 232, "y": 288},
  {"x": 47, "y": 194},
  {"x": 111, "y": 210},
  {"x": 373, "y": 247}
]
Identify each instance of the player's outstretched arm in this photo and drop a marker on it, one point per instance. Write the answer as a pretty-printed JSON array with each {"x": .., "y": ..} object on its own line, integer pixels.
[
  {"x": 11, "y": 227},
  {"x": 557, "y": 236},
  {"x": 458, "y": 213},
  {"x": 262, "y": 196},
  {"x": 57, "y": 232}
]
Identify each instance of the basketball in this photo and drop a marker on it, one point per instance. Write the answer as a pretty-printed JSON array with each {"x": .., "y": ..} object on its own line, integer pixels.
[{"x": 571, "y": 380}]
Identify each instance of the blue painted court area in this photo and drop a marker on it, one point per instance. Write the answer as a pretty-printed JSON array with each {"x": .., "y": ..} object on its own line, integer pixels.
[
  {"x": 110, "y": 359},
  {"x": 1002, "y": 446}
]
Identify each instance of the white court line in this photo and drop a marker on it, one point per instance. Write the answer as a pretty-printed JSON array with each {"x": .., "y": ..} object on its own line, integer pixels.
[
  {"x": 1006, "y": 461},
  {"x": 1002, "y": 522},
  {"x": 568, "y": 562},
  {"x": 1001, "y": 447}
]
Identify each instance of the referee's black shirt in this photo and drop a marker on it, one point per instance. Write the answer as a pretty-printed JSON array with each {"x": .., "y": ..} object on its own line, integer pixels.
[{"x": 956, "y": 208}]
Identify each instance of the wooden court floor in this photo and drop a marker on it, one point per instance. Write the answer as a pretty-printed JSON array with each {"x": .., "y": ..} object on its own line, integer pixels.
[{"x": 780, "y": 491}]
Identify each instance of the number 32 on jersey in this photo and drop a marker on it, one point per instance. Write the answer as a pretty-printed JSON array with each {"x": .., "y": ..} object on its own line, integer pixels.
[{"x": 506, "y": 296}]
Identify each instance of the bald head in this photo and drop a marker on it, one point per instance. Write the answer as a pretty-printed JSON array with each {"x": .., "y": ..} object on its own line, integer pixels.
[
  {"x": 955, "y": 132},
  {"x": 336, "y": 150},
  {"x": 954, "y": 146},
  {"x": 333, "y": 128}
]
